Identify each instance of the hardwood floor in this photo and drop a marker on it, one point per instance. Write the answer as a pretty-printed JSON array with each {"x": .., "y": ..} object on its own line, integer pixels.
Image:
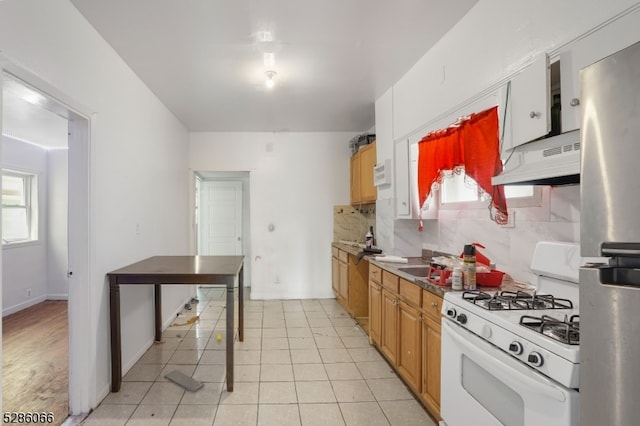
[{"x": 35, "y": 347}]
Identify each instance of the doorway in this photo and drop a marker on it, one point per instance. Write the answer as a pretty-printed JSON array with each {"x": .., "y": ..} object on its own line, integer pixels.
[
  {"x": 222, "y": 215},
  {"x": 66, "y": 244}
]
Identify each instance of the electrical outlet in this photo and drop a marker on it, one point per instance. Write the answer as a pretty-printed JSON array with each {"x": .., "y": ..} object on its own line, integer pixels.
[
  {"x": 511, "y": 221},
  {"x": 28, "y": 292}
]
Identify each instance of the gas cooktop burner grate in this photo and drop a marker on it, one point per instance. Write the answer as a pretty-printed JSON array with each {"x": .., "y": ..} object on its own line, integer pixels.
[
  {"x": 515, "y": 300},
  {"x": 565, "y": 331}
]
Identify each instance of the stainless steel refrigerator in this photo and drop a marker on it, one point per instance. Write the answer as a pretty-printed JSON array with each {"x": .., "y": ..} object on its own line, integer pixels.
[{"x": 610, "y": 227}]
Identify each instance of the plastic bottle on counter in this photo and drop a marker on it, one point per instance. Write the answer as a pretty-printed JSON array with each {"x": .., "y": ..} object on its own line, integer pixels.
[
  {"x": 456, "y": 279},
  {"x": 469, "y": 266}
]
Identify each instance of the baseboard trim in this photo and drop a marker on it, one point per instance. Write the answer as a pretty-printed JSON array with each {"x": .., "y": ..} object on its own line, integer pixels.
[{"x": 24, "y": 305}]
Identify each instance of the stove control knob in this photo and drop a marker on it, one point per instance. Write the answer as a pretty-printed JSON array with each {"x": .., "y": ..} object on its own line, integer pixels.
[
  {"x": 462, "y": 319},
  {"x": 535, "y": 359},
  {"x": 451, "y": 313},
  {"x": 516, "y": 348},
  {"x": 486, "y": 331}
]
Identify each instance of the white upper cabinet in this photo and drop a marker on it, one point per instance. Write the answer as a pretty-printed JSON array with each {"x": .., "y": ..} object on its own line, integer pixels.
[
  {"x": 402, "y": 180},
  {"x": 530, "y": 102},
  {"x": 599, "y": 44},
  {"x": 407, "y": 199}
]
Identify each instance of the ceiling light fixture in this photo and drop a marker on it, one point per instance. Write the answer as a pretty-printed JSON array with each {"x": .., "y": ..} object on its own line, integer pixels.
[
  {"x": 269, "y": 59},
  {"x": 269, "y": 82}
]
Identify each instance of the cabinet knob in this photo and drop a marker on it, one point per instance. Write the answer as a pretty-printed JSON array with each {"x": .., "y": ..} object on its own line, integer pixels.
[
  {"x": 534, "y": 114},
  {"x": 434, "y": 305},
  {"x": 574, "y": 102}
]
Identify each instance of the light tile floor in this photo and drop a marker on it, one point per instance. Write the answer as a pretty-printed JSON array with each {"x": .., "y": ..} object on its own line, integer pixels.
[{"x": 302, "y": 362}]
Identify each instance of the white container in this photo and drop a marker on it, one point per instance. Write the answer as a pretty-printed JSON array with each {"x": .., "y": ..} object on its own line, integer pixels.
[{"x": 456, "y": 279}]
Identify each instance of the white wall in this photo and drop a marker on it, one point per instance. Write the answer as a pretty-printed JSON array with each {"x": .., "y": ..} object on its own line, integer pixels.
[
  {"x": 138, "y": 163},
  {"x": 25, "y": 265},
  {"x": 294, "y": 187},
  {"x": 57, "y": 241},
  {"x": 494, "y": 40}
]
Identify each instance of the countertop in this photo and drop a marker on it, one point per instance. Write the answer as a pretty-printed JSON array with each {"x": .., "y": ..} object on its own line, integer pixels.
[{"x": 508, "y": 284}]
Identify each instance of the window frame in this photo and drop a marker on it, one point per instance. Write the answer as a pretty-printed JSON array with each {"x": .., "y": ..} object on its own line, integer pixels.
[{"x": 31, "y": 191}]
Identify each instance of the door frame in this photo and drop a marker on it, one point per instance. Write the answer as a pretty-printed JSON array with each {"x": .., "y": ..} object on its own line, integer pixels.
[
  {"x": 82, "y": 320},
  {"x": 237, "y": 176}
]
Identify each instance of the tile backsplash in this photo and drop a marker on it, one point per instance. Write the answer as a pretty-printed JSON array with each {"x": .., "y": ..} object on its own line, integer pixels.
[{"x": 352, "y": 223}]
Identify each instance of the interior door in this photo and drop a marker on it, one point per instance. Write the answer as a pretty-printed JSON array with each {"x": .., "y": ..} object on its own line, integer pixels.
[{"x": 220, "y": 224}]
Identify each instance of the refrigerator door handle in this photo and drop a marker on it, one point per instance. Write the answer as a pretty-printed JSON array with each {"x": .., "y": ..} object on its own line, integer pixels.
[{"x": 620, "y": 252}]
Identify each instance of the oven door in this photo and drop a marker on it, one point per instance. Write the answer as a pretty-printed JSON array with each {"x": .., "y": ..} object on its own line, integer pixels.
[{"x": 483, "y": 386}]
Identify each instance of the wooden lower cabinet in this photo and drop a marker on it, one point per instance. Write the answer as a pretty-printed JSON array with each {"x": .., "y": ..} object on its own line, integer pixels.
[
  {"x": 431, "y": 358},
  {"x": 343, "y": 286},
  {"x": 408, "y": 334},
  {"x": 350, "y": 284},
  {"x": 335, "y": 275},
  {"x": 375, "y": 312},
  {"x": 389, "y": 336},
  {"x": 409, "y": 348}
]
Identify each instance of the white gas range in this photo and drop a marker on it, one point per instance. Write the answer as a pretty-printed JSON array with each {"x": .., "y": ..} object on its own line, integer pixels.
[{"x": 511, "y": 357}]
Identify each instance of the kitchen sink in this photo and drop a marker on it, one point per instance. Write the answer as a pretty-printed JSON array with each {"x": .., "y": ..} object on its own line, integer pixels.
[{"x": 420, "y": 271}]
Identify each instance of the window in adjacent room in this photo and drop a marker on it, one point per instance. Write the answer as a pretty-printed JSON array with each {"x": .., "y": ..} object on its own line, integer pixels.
[{"x": 19, "y": 207}]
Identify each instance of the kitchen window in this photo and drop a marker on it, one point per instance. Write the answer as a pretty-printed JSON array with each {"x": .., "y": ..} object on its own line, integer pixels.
[
  {"x": 19, "y": 207},
  {"x": 460, "y": 191}
]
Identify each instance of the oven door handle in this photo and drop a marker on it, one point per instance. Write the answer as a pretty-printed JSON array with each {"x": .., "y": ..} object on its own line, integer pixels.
[{"x": 541, "y": 386}]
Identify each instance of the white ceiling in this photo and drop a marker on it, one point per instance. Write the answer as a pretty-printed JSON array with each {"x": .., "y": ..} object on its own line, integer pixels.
[
  {"x": 29, "y": 116},
  {"x": 203, "y": 60}
]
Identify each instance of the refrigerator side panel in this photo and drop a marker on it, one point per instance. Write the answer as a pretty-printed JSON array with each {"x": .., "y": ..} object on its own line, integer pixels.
[
  {"x": 609, "y": 351},
  {"x": 610, "y": 145}
]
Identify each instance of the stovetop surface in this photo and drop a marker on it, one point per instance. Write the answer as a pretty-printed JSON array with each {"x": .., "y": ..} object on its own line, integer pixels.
[{"x": 510, "y": 320}]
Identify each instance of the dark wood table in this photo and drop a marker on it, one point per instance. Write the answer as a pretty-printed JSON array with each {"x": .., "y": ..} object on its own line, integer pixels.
[{"x": 176, "y": 270}]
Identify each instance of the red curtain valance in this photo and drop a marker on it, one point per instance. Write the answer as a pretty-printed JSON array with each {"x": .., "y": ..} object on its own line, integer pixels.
[{"x": 474, "y": 144}]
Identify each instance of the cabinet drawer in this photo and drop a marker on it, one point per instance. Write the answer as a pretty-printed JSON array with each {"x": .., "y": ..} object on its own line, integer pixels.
[
  {"x": 343, "y": 256},
  {"x": 334, "y": 252},
  {"x": 390, "y": 281},
  {"x": 410, "y": 292},
  {"x": 375, "y": 274},
  {"x": 432, "y": 304}
]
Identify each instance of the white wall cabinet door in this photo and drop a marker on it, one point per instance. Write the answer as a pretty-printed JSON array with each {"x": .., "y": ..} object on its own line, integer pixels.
[
  {"x": 601, "y": 43},
  {"x": 406, "y": 178},
  {"x": 402, "y": 180},
  {"x": 530, "y": 104}
]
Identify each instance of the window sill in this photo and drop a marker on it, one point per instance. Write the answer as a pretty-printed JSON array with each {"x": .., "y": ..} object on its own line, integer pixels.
[{"x": 20, "y": 244}]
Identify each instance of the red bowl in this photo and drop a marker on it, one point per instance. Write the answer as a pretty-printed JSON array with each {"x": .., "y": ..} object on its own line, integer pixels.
[{"x": 489, "y": 279}]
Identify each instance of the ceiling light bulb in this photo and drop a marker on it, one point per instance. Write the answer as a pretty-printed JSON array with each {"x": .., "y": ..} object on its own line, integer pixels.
[{"x": 269, "y": 81}]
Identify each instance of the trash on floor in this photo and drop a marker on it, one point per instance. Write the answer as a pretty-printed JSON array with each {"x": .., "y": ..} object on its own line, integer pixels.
[
  {"x": 183, "y": 380},
  {"x": 188, "y": 322}
]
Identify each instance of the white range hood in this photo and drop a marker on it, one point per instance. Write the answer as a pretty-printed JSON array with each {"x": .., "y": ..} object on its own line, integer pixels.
[{"x": 551, "y": 161}]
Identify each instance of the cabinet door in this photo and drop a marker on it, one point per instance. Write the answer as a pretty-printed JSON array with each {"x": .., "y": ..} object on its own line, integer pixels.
[
  {"x": 355, "y": 179},
  {"x": 375, "y": 312},
  {"x": 431, "y": 365},
  {"x": 402, "y": 180},
  {"x": 335, "y": 275},
  {"x": 605, "y": 41},
  {"x": 530, "y": 104},
  {"x": 389, "y": 338},
  {"x": 368, "y": 190},
  {"x": 343, "y": 288},
  {"x": 409, "y": 347}
]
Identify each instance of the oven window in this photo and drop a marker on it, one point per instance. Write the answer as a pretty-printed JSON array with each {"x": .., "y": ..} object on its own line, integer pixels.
[{"x": 496, "y": 397}]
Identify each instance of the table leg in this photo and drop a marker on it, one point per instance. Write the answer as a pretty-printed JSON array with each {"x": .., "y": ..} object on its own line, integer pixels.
[
  {"x": 157, "y": 292},
  {"x": 241, "y": 304},
  {"x": 230, "y": 332},
  {"x": 116, "y": 352}
]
